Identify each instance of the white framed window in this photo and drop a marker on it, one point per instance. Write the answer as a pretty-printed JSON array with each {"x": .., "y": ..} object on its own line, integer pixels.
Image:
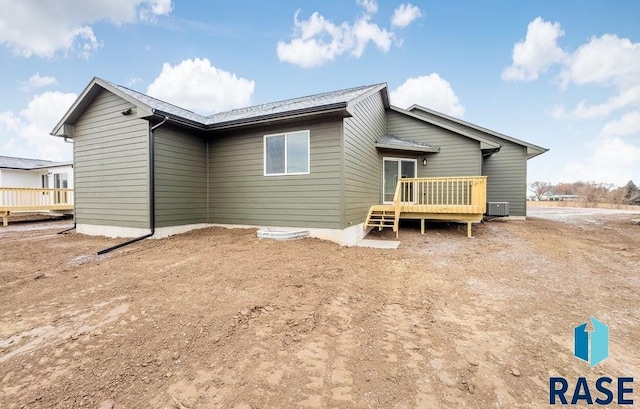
[
  {"x": 60, "y": 181},
  {"x": 287, "y": 153}
]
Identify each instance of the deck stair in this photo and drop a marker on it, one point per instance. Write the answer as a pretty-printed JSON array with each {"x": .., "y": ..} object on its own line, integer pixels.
[{"x": 381, "y": 216}]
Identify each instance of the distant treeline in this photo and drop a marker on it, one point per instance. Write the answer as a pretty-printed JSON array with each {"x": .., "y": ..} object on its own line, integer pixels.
[{"x": 589, "y": 192}]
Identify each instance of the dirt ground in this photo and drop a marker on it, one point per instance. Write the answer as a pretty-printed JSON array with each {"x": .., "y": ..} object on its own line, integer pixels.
[{"x": 219, "y": 318}]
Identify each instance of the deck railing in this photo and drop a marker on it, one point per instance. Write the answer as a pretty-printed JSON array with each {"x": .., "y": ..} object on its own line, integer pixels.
[
  {"x": 462, "y": 195},
  {"x": 35, "y": 199}
]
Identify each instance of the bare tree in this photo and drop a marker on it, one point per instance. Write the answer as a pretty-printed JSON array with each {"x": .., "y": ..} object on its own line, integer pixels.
[
  {"x": 617, "y": 196},
  {"x": 591, "y": 193},
  {"x": 565, "y": 189},
  {"x": 539, "y": 189}
]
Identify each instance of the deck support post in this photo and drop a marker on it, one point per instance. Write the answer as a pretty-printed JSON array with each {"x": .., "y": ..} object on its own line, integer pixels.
[
  {"x": 469, "y": 230},
  {"x": 5, "y": 218},
  {"x": 421, "y": 226}
]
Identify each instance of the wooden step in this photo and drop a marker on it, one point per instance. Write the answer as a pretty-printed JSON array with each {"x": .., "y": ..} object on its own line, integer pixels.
[{"x": 380, "y": 218}]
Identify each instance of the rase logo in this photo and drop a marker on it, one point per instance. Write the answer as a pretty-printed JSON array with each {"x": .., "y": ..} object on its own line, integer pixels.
[
  {"x": 598, "y": 339},
  {"x": 592, "y": 347}
]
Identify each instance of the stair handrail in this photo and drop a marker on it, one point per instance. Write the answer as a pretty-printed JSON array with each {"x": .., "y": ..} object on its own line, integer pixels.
[{"x": 397, "y": 202}]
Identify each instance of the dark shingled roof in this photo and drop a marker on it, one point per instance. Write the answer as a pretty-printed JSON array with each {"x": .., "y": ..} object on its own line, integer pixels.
[
  {"x": 159, "y": 105},
  {"x": 8, "y": 162},
  {"x": 256, "y": 111}
]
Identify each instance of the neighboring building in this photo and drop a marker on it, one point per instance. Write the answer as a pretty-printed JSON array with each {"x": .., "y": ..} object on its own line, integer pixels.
[
  {"x": 560, "y": 198},
  {"x": 20, "y": 172},
  {"x": 318, "y": 162}
]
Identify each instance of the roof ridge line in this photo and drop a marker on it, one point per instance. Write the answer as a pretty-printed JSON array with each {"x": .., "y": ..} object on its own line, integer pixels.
[{"x": 296, "y": 98}]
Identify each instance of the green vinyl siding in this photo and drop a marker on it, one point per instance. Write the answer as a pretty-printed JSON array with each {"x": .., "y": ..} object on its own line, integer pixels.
[
  {"x": 362, "y": 172},
  {"x": 180, "y": 177},
  {"x": 111, "y": 165},
  {"x": 506, "y": 170},
  {"x": 239, "y": 193},
  {"x": 458, "y": 155},
  {"x": 506, "y": 173}
]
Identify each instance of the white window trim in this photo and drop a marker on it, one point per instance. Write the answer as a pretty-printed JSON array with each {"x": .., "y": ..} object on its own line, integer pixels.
[{"x": 286, "y": 141}]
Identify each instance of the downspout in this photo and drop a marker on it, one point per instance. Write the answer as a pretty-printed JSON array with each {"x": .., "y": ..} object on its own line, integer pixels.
[{"x": 152, "y": 192}]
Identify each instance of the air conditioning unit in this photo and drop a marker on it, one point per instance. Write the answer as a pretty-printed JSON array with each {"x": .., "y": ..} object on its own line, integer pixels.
[{"x": 498, "y": 209}]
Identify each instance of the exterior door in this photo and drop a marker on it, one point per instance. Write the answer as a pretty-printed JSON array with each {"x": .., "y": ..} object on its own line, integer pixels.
[{"x": 393, "y": 170}]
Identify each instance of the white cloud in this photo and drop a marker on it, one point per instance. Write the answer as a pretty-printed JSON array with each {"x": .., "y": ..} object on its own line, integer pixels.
[
  {"x": 26, "y": 134},
  {"x": 608, "y": 61},
  {"x": 199, "y": 86},
  {"x": 626, "y": 98},
  {"x": 37, "y": 81},
  {"x": 536, "y": 53},
  {"x": 310, "y": 49},
  {"x": 370, "y": 6},
  {"x": 318, "y": 40},
  {"x": 430, "y": 91},
  {"x": 404, "y": 15},
  {"x": 44, "y": 28},
  {"x": 605, "y": 60},
  {"x": 613, "y": 159},
  {"x": 365, "y": 32},
  {"x": 628, "y": 124},
  {"x": 154, "y": 8}
]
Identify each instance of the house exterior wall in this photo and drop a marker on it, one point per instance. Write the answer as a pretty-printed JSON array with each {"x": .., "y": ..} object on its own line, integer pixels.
[
  {"x": 506, "y": 173},
  {"x": 362, "y": 170},
  {"x": 240, "y": 194},
  {"x": 33, "y": 177},
  {"x": 50, "y": 172},
  {"x": 111, "y": 154},
  {"x": 506, "y": 170},
  {"x": 180, "y": 177},
  {"x": 21, "y": 178},
  {"x": 458, "y": 155}
]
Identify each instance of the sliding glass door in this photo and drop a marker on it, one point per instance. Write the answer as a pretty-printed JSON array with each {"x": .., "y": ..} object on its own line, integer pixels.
[{"x": 394, "y": 169}]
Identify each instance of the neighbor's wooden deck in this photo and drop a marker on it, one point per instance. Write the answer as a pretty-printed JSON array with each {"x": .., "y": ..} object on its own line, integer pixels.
[
  {"x": 22, "y": 199},
  {"x": 456, "y": 199}
]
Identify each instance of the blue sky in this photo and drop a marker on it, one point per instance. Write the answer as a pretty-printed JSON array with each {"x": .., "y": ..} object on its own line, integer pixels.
[{"x": 563, "y": 75}]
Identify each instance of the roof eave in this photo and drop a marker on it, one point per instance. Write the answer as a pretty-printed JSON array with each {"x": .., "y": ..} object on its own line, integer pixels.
[
  {"x": 425, "y": 149},
  {"x": 12, "y": 168},
  {"x": 336, "y": 108},
  {"x": 37, "y": 167},
  {"x": 533, "y": 152},
  {"x": 178, "y": 120},
  {"x": 87, "y": 96},
  {"x": 56, "y": 165}
]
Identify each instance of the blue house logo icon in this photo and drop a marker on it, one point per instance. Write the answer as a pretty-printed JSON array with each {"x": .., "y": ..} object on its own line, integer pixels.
[{"x": 591, "y": 347}]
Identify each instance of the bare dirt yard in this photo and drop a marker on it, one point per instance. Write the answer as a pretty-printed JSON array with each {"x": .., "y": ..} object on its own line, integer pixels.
[{"x": 219, "y": 318}]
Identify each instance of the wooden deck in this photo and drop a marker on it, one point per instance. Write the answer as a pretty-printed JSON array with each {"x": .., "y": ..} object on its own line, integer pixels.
[
  {"x": 454, "y": 199},
  {"x": 22, "y": 199}
]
